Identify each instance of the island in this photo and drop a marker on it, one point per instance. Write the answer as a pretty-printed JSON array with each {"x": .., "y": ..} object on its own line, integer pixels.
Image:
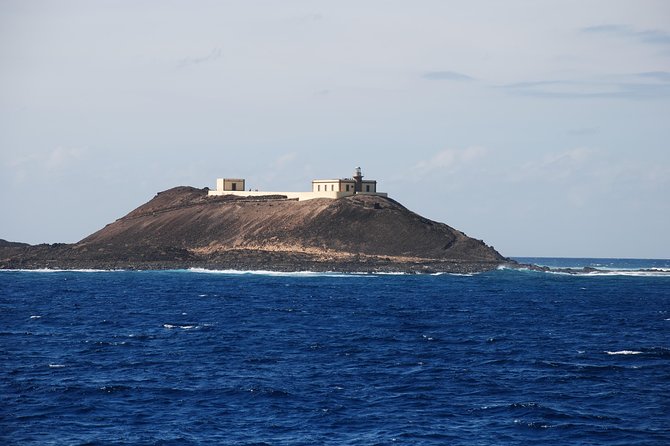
[{"x": 342, "y": 225}]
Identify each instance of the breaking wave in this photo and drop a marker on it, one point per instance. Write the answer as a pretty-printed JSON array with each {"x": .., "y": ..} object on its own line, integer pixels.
[
  {"x": 182, "y": 326},
  {"x": 275, "y": 273},
  {"x": 581, "y": 272},
  {"x": 652, "y": 352}
]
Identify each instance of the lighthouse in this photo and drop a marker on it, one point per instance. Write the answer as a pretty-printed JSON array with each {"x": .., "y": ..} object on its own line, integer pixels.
[
  {"x": 327, "y": 188},
  {"x": 358, "y": 177}
]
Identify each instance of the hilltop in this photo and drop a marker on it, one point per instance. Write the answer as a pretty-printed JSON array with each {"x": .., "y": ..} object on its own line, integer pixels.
[{"x": 182, "y": 227}]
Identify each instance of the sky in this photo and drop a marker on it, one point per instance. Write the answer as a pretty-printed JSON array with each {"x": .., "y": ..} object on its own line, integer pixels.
[{"x": 541, "y": 127}]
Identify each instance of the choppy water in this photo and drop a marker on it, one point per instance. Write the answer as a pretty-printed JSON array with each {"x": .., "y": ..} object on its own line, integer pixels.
[{"x": 506, "y": 357}]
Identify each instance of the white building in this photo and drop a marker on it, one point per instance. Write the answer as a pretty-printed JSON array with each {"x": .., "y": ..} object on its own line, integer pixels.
[
  {"x": 334, "y": 188},
  {"x": 356, "y": 184},
  {"x": 230, "y": 184}
]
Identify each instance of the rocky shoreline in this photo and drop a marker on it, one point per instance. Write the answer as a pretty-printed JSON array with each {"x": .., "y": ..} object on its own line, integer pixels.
[{"x": 60, "y": 257}]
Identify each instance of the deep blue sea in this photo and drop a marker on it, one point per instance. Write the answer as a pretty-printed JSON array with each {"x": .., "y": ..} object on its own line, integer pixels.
[{"x": 195, "y": 357}]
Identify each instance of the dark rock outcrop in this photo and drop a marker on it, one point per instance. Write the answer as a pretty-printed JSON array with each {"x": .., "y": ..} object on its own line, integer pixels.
[{"x": 183, "y": 227}]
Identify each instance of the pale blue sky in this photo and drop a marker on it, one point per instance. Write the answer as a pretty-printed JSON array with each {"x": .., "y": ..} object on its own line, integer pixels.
[{"x": 541, "y": 127}]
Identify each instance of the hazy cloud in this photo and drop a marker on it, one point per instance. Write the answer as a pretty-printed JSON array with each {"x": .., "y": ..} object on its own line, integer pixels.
[
  {"x": 651, "y": 36},
  {"x": 62, "y": 157},
  {"x": 586, "y": 172},
  {"x": 450, "y": 159},
  {"x": 305, "y": 19},
  {"x": 662, "y": 76},
  {"x": 216, "y": 53},
  {"x": 589, "y": 89},
  {"x": 583, "y": 131},
  {"x": 606, "y": 29},
  {"x": 446, "y": 76},
  {"x": 532, "y": 84},
  {"x": 569, "y": 171},
  {"x": 53, "y": 160},
  {"x": 284, "y": 159},
  {"x": 559, "y": 165}
]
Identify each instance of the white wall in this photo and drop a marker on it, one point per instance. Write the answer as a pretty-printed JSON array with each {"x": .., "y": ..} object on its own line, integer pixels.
[{"x": 301, "y": 196}]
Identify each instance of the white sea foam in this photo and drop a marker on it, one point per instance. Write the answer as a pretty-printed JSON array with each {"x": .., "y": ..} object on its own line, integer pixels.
[
  {"x": 624, "y": 352},
  {"x": 454, "y": 274},
  {"x": 389, "y": 273},
  {"x": 579, "y": 272},
  {"x": 35, "y": 317},
  {"x": 630, "y": 272},
  {"x": 573, "y": 271},
  {"x": 273, "y": 273},
  {"x": 183, "y": 327},
  {"x": 56, "y": 366}
]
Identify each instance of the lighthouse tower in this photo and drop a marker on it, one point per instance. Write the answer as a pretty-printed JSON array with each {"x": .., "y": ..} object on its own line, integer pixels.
[{"x": 358, "y": 177}]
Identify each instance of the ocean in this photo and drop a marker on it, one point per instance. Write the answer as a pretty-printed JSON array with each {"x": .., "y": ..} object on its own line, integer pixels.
[{"x": 195, "y": 357}]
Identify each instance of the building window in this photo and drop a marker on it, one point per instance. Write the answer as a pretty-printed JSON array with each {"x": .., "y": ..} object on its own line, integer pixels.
[
  {"x": 332, "y": 187},
  {"x": 234, "y": 186},
  {"x": 367, "y": 188},
  {"x": 318, "y": 188},
  {"x": 347, "y": 188}
]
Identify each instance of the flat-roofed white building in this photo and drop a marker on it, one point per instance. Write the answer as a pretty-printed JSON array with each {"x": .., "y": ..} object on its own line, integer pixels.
[
  {"x": 344, "y": 185},
  {"x": 230, "y": 184},
  {"x": 333, "y": 188}
]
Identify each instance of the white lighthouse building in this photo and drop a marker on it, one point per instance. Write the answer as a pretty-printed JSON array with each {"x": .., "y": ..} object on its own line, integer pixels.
[{"x": 332, "y": 188}]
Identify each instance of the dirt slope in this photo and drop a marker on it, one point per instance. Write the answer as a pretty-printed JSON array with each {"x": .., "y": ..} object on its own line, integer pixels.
[{"x": 186, "y": 218}]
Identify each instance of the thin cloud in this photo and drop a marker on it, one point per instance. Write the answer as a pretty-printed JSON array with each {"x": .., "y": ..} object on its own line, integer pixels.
[
  {"x": 554, "y": 167},
  {"x": 583, "y": 131},
  {"x": 589, "y": 89},
  {"x": 450, "y": 159},
  {"x": 216, "y": 53},
  {"x": 284, "y": 160},
  {"x": 305, "y": 19},
  {"x": 650, "y": 36},
  {"x": 606, "y": 29},
  {"x": 58, "y": 158},
  {"x": 531, "y": 84},
  {"x": 662, "y": 76},
  {"x": 446, "y": 76},
  {"x": 584, "y": 171}
]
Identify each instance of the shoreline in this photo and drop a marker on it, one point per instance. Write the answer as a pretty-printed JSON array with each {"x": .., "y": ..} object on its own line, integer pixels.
[
  {"x": 145, "y": 257},
  {"x": 455, "y": 267},
  {"x": 572, "y": 272}
]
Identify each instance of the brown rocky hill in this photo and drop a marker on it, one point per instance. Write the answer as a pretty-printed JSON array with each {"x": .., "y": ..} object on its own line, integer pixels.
[{"x": 183, "y": 227}]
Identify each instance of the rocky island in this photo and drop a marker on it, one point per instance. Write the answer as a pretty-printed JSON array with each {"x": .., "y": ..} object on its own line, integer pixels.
[{"x": 186, "y": 227}]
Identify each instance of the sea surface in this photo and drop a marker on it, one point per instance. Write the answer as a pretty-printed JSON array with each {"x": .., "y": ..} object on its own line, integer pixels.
[{"x": 196, "y": 357}]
